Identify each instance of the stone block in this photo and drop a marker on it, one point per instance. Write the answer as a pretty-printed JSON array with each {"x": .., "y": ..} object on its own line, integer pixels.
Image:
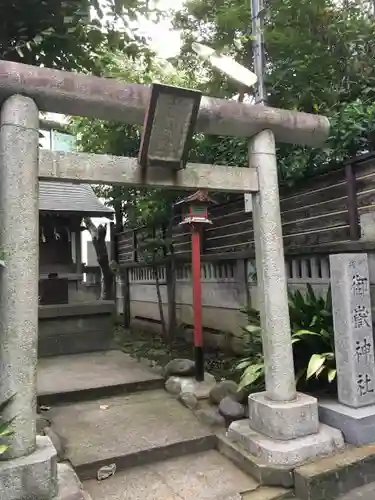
[
  {"x": 356, "y": 424},
  {"x": 263, "y": 472},
  {"x": 352, "y": 319},
  {"x": 293, "y": 452},
  {"x": 31, "y": 477},
  {"x": 283, "y": 420},
  {"x": 70, "y": 487},
  {"x": 331, "y": 477}
]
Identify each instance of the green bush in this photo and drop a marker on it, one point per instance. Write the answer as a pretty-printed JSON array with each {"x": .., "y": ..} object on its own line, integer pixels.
[{"x": 311, "y": 322}]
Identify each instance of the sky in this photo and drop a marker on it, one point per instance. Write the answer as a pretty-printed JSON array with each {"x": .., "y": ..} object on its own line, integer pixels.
[{"x": 164, "y": 40}]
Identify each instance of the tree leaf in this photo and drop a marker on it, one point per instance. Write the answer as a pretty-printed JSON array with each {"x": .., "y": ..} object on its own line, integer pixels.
[
  {"x": 331, "y": 375},
  {"x": 244, "y": 364},
  {"x": 252, "y": 328},
  {"x": 315, "y": 363},
  {"x": 251, "y": 375}
]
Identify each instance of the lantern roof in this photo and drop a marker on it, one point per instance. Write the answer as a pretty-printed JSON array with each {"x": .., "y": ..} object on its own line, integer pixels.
[{"x": 200, "y": 196}]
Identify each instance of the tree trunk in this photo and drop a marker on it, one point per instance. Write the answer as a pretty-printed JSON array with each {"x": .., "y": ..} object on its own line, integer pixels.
[
  {"x": 119, "y": 217},
  {"x": 98, "y": 235},
  {"x": 160, "y": 304}
]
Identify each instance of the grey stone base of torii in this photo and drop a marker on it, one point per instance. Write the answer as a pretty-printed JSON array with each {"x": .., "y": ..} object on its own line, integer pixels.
[{"x": 283, "y": 426}]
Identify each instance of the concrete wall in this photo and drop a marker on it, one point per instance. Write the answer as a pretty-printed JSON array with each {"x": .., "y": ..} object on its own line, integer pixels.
[{"x": 227, "y": 287}]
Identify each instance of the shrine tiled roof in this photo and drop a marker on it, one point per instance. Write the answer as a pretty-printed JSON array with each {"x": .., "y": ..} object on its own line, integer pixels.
[{"x": 71, "y": 199}]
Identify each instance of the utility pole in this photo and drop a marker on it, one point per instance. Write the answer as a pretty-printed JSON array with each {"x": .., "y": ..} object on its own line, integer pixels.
[{"x": 257, "y": 24}]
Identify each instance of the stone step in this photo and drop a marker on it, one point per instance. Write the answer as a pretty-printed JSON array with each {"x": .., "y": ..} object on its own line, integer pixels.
[
  {"x": 202, "y": 476},
  {"x": 127, "y": 430},
  {"x": 363, "y": 493},
  {"x": 268, "y": 493},
  {"x": 344, "y": 476},
  {"x": 333, "y": 477},
  {"x": 80, "y": 377}
]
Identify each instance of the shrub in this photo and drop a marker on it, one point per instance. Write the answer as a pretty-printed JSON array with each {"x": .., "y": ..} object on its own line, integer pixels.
[{"x": 311, "y": 322}]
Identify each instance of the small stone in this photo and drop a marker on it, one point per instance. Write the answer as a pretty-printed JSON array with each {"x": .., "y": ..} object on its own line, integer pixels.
[
  {"x": 173, "y": 386},
  {"x": 106, "y": 471},
  {"x": 189, "y": 400},
  {"x": 211, "y": 417},
  {"x": 44, "y": 408},
  {"x": 231, "y": 410},
  {"x": 226, "y": 388},
  {"x": 201, "y": 390},
  {"x": 179, "y": 366}
]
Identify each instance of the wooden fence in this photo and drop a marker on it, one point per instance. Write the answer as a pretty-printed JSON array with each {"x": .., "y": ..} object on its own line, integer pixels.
[
  {"x": 332, "y": 213},
  {"x": 326, "y": 209}
]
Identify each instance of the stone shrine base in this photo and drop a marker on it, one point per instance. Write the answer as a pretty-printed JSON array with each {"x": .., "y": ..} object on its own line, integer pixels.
[
  {"x": 285, "y": 433},
  {"x": 32, "y": 476},
  {"x": 284, "y": 420},
  {"x": 38, "y": 476},
  {"x": 326, "y": 441},
  {"x": 357, "y": 424}
]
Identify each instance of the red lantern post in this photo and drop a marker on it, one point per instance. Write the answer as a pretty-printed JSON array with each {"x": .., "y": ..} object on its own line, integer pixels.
[{"x": 195, "y": 214}]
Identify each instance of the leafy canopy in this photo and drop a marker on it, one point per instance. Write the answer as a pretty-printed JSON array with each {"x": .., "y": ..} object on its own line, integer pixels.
[
  {"x": 320, "y": 58},
  {"x": 70, "y": 34}
]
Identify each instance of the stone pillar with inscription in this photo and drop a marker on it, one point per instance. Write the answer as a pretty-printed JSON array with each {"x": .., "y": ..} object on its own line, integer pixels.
[{"x": 354, "y": 412}]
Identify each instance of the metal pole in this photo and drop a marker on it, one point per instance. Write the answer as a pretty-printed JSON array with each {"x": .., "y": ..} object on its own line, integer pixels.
[
  {"x": 197, "y": 302},
  {"x": 257, "y": 25}
]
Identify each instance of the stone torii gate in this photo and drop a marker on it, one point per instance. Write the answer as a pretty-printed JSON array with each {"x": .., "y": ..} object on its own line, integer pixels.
[{"x": 283, "y": 426}]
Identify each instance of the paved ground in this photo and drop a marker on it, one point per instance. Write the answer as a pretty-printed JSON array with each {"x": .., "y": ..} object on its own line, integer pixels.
[
  {"x": 78, "y": 372},
  {"x": 203, "y": 476}
]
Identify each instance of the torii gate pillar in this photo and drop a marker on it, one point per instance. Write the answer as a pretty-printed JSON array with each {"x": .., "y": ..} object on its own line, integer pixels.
[{"x": 283, "y": 426}]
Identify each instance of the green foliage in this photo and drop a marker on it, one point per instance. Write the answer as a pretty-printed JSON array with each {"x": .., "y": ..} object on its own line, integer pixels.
[
  {"x": 313, "y": 335},
  {"x": 311, "y": 322},
  {"x": 353, "y": 129},
  {"x": 5, "y": 426},
  {"x": 252, "y": 366},
  {"x": 318, "y": 57},
  {"x": 71, "y": 35}
]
